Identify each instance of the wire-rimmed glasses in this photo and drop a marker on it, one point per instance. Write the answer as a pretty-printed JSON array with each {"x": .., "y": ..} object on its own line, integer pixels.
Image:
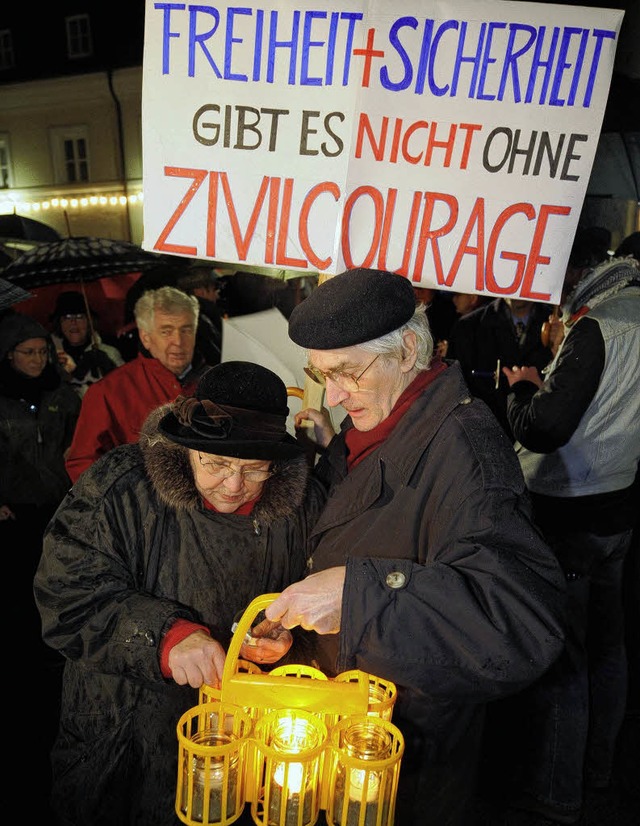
[
  {"x": 41, "y": 353},
  {"x": 221, "y": 470},
  {"x": 345, "y": 381}
]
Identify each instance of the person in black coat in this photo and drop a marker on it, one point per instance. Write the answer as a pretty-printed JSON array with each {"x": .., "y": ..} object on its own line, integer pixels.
[
  {"x": 503, "y": 333},
  {"x": 426, "y": 568},
  {"x": 146, "y": 563}
]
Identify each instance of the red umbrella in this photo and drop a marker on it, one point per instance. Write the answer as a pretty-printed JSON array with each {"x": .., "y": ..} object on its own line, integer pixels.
[{"x": 106, "y": 297}]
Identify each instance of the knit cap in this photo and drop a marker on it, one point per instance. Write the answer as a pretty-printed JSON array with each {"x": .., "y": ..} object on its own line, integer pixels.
[{"x": 16, "y": 328}]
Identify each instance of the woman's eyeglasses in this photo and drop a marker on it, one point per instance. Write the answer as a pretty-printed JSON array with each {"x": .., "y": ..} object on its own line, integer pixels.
[
  {"x": 220, "y": 470},
  {"x": 345, "y": 381},
  {"x": 41, "y": 354}
]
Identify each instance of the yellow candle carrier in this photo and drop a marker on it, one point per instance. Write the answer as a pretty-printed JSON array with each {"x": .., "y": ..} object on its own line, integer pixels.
[{"x": 290, "y": 742}]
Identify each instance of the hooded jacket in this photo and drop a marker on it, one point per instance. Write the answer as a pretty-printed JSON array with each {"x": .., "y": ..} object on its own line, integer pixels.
[
  {"x": 37, "y": 420},
  {"x": 450, "y": 590},
  {"x": 130, "y": 550}
]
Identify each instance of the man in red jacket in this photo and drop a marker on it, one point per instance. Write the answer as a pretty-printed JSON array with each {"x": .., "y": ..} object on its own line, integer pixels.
[{"x": 114, "y": 408}]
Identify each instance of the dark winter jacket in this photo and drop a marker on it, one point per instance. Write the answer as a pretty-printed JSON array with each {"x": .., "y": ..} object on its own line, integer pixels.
[
  {"x": 450, "y": 590},
  {"x": 130, "y": 550},
  {"x": 37, "y": 420}
]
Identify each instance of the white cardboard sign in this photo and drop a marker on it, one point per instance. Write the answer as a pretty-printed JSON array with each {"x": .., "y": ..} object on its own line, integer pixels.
[{"x": 449, "y": 141}]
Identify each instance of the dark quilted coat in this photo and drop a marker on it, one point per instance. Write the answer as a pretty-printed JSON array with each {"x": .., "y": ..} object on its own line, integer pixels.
[{"x": 130, "y": 550}]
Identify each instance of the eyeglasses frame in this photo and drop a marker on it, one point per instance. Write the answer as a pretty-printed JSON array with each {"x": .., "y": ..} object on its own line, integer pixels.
[
  {"x": 42, "y": 353},
  {"x": 313, "y": 372},
  {"x": 242, "y": 473}
]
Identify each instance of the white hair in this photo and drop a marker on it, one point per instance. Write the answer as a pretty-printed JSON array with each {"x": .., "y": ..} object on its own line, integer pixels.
[
  {"x": 392, "y": 343},
  {"x": 167, "y": 300}
]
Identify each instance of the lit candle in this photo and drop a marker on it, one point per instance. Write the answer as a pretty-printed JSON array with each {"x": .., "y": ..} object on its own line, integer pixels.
[{"x": 292, "y": 780}]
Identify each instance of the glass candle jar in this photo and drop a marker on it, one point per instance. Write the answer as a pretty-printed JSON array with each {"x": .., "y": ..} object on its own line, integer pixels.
[
  {"x": 362, "y": 787},
  {"x": 291, "y": 742},
  {"x": 214, "y": 779}
]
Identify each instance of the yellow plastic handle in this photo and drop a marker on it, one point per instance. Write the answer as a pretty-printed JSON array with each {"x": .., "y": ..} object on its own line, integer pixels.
[
  {"x": 268, "y": 691},
  {"x": 244, "y": 625}
]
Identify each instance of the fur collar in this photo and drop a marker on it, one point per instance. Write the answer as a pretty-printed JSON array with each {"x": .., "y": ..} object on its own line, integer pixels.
[{"x": 170, "y": 472}]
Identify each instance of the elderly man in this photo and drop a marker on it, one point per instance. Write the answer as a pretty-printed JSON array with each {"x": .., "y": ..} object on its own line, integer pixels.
[
  {"x": 427, "y": 569},
  {"x": 114, "y": 408},
  {"x": 146, "y": 564}
]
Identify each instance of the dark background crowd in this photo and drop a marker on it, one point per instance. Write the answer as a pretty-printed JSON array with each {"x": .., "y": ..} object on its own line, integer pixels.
[{"x": 63, "y": 362}]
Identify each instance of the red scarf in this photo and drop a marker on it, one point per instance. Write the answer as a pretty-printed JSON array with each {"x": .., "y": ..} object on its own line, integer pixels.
[{"x": 361, "y": 443}]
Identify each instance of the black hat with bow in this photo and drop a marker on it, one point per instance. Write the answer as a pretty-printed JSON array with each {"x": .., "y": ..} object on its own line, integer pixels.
[{"x": 239, "y": 409}]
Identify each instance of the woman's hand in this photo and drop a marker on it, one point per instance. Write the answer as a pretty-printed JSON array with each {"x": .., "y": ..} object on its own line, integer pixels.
[
  {"x": 556, "y": 333},
  {"x": 197, "y": 659},
  {"x": 6, "y": 513},
  {"x": 66, "y": 361}
]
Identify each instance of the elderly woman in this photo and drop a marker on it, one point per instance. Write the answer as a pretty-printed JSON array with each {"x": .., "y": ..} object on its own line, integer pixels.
[
  {"x": 427, "y": 569},
  {"x": 146, "y": 564}
]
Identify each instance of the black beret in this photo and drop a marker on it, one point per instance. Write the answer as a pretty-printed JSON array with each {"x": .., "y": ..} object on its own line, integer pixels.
[{"x": 351, "y": 308}]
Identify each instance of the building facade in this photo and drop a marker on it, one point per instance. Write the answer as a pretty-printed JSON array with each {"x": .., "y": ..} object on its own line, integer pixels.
[{"x": 70, "y": 120}]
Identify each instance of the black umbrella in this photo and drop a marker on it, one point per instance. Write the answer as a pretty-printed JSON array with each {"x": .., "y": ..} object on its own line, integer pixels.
[
  {"x": 77, "y": 259},
  {"x": 11, "y": 294},
  {"x": 17, "y": 226}
]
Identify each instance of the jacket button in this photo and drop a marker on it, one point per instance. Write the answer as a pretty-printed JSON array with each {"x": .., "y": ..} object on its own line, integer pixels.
[{"x": 396, "y": 579}]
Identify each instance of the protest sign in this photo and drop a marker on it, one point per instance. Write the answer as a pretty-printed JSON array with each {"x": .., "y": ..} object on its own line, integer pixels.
[{"x": 451, "y": 142}]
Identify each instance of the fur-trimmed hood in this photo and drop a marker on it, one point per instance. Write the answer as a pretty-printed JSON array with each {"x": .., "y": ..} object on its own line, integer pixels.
[{"x": 170, "y": 472}]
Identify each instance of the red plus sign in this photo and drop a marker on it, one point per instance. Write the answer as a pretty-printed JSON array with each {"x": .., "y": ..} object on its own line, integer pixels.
[{"x": 368, "y": 53}]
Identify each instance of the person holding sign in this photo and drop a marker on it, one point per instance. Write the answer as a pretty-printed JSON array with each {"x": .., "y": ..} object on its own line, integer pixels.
[{"x": 426, "y": 569}]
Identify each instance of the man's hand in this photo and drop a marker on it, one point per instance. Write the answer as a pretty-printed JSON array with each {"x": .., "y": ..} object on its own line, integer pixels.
[
  {"x": 197, "y": 659},
  {"x": 523, "y": 374},
  {"x": 314, "y": 603}
]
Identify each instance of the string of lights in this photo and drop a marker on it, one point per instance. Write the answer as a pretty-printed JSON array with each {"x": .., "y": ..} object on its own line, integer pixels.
[{"x": 9, "y": 204}]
